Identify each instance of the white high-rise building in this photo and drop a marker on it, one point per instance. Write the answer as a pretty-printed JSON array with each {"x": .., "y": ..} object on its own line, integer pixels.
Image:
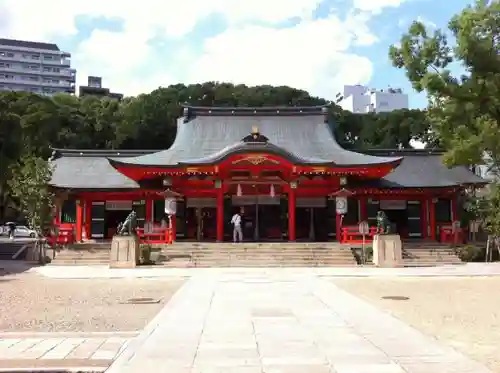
[
  {"x": 361, "y": 99},
  {"x": 35, "y": 67}
]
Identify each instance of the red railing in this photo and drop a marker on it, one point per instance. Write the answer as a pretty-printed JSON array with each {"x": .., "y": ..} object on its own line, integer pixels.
[
  {"x": 352, "y": 235},
  {"x": 446, "y": 234},
  {"x": 155, "y": 236}
]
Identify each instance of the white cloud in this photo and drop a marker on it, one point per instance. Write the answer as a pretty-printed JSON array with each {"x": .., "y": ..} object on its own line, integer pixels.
[
  {"x": 376, "y": 6},
  {"x": 37, "y": 19},
  {"x": 313, "y": 55},
  {"x": 310, "y": 56}
]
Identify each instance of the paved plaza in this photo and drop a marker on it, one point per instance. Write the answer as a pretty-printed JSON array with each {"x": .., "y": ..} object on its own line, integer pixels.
[
  {"x": 89, "y": 352},
  {"x": 243, "y": 322},
  {"x": 265, "y": 320}
]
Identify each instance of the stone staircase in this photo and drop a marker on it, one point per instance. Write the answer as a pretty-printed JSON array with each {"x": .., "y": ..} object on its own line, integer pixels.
[
  {"x": 421, "y": 254},
  {"x": 9, "y": 249},
  {"x": 83, "y": 254},
  {"x": 202, "y": 255}
]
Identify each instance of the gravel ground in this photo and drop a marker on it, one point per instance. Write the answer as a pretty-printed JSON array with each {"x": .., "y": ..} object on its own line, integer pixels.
[
  {"x": 462, "y": 312},
  {"x": 29, "y": 302}
]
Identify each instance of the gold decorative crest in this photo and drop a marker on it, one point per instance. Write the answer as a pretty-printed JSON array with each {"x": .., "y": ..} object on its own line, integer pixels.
[{"x": 256, "y": 160}]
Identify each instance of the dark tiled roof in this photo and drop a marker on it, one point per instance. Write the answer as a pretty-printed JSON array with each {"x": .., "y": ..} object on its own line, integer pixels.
[
  {"x": 90, "y": 169},
  {"x": 83, "y": 169},
  {"x": 206, "y": 133},
  {"x": 29, "y": 44},
  {"x": 420, "y": 169}
]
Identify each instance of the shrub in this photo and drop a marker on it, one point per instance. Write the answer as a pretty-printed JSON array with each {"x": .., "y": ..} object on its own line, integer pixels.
[
  {"x": 472, "y": 253},
  {"x": 145, "y": 254}
]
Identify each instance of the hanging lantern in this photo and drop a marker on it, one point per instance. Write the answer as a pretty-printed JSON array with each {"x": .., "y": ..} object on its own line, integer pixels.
[
  {"x": 272, "y": 192},
  {"x": 170, "y": 206},
  {"x": 239, "y": 193}
]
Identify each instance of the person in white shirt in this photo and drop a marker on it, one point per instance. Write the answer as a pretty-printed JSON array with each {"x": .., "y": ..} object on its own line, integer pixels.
[{"x": 237, "y": 232}]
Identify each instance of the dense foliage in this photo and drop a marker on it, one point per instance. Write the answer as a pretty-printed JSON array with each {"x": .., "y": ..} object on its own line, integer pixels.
[
  {"x": 30, "y": 125},
  {"x": 463, "y": 110}
]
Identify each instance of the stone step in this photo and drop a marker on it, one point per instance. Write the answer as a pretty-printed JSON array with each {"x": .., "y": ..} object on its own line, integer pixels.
[{"x": 78, "y": 262}]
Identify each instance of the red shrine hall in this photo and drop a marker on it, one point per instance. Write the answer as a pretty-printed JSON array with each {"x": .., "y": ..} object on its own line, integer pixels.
[{"x": 281, "y": 167}]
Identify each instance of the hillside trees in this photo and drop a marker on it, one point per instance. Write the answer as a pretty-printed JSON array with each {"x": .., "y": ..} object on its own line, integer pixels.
[
  {"x": 33, "y": 125},
  {"x": 464, "y": 108}
]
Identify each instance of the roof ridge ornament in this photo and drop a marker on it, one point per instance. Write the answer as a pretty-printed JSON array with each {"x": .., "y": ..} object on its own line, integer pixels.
[{"x": 255, "y": 137}]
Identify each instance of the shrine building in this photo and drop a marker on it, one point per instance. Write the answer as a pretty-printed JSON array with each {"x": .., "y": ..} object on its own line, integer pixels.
[{"x": 281, "y": 166}]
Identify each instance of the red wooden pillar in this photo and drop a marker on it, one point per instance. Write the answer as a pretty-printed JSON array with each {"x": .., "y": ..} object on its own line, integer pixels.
[
  {"x": 454, "y": 209},
  {"x": 363, "y": 216},
  {"x": 174, "y": 227},
  {"x": 149, "y": 210},
  {"x": 220, "y": 214},
  {"x": 423, "y": 217},
  {"x": 57, "y": 213},
  {"x": 338, "y": 226},
  {"x": 88, "y": 219},
  {"x": 432, "y": 218},
  {"x": 79, "y": 220},
  {"x": 291, "y": 214}
]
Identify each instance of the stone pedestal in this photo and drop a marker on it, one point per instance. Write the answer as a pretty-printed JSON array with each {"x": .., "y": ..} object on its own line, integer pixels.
[
  {"x": 125, "y": 252},
  {"x": 387, "y": 250}
]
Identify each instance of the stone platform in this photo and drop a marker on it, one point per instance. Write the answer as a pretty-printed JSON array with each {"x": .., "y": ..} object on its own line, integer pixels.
[
  {"x": 258, "y": 254},
  {"x": 270, "y": 323}
]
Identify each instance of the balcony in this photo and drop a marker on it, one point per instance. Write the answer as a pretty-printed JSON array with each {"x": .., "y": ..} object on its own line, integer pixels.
[{"x": 66, "y": 73}]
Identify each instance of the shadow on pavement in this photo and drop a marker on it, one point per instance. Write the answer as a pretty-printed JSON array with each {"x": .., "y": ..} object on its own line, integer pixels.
[{"x": 12, "y": 267}]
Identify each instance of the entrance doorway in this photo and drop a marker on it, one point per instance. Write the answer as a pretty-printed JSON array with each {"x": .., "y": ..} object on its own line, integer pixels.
[
  {"x": 112, "y": 218},
  {"x": 397, "y": 214},
  {"x": 201, "y": 223},
  {"x": 261, "y": 217}
]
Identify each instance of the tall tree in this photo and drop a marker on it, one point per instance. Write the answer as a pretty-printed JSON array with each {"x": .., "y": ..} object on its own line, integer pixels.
[
  {"x": 30, "y": 185},
  {"x": 464, "y": 110}
]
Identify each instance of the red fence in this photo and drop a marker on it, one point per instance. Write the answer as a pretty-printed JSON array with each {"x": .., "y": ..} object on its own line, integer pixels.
[
  {"x": 155, "y": 236},
  {"x": 351, "y": 234}
]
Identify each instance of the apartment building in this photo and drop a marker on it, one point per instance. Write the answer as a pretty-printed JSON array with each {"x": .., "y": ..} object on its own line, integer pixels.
[
  {"x": 361, "y": 99},
  {"x": 94, "y": 88},
  {"x": 35, "y": 67}
]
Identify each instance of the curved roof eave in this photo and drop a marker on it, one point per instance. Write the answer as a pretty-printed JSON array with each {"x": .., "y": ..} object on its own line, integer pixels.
[{"x": 269, "y": 148}]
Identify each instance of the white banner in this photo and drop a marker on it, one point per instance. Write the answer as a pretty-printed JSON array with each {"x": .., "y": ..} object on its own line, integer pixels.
[
  {"x": 201, "y": 202},
  {"x": 394, "y": 204},
  {"x": 311, "y": 202},
  {"x": 119, "y": 205}
]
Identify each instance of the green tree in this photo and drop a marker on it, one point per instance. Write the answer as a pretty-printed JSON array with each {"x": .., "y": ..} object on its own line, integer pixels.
[
  {"x": 30, "y": 185},
  {"x": 464, "y": 111}
]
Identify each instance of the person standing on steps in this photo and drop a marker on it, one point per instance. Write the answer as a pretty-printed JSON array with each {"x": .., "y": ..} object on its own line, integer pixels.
[{"x": 237, "y": 232}]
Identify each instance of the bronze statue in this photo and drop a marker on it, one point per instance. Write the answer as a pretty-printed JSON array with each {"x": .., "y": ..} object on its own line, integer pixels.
[
  {"x": 127, "y": 228},
  {"x": 383, "y": 226}
]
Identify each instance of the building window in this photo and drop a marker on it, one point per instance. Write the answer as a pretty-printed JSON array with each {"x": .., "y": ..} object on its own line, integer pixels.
[
  {"x": 35, "y": 56},
  {"x": 34, "y": 78},
  {"x": 68, "y": 211},
  {"x": 10, "y": 55},
  {"x": 47, "y": 57},
  {"x": 46, "y": 69}
]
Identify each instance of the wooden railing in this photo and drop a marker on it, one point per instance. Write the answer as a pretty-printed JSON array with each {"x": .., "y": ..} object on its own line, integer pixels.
[
  {"x": 351, "y": 234},
  {"x": 155, "y": 236},
  {"x": 447, "y": 235}
]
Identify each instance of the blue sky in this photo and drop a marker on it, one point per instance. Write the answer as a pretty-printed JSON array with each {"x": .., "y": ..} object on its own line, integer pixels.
[{"x": 317, "y": 45}]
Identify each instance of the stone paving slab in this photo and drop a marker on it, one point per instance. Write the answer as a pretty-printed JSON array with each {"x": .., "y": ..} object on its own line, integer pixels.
[
  {"x": 85, "y": 354},
  {"x": 281, "y": 324},
  {"x": 103, "y": 271},
  {"x": 61, "y": 348}
]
